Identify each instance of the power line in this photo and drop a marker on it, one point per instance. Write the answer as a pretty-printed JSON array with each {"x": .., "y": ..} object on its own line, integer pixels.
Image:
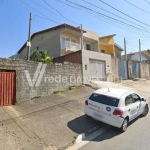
[
  {"x": 147, "y": 1},
  {"x": 112, "y": 22},
  {"x": 106, "y": 16},
  {"x": 37, "y": 4},
  {"x": 59, "y": 12},
  {"x": 133, "y": 38},
  {"x": 113, "y": 13},
  {"x": 137, "y": 7},
  {"x": 123, "y": 13},
  {"x": 39, "y": 12}
]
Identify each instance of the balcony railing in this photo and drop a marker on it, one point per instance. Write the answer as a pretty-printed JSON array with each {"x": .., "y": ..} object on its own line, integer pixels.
[{"x": 68, "y": 45}]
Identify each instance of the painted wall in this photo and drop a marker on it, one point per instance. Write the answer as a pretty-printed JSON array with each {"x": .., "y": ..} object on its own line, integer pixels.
[{"x": 108, "y": 49}]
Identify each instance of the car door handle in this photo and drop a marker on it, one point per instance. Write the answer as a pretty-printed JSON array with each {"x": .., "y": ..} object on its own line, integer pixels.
[{"x": 129, "y": 110}]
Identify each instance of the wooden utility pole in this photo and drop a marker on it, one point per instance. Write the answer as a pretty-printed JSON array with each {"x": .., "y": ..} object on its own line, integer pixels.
[
  {"x": 29, "y": 38},
  {"x": 140, "y": 50},
  {"x": 125, "y": 49},
  {"x": 82, "y": 67}
]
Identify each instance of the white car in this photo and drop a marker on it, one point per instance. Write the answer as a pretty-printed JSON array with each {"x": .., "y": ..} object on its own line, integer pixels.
[{"x": 115, "y": 107}]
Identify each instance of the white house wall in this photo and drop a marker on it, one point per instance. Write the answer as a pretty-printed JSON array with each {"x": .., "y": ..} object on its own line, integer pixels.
[{"x": 137, "y": 57}]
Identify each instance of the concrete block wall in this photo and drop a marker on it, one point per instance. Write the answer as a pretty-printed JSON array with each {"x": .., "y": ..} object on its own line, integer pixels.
[{"x": 55, "y": 77}]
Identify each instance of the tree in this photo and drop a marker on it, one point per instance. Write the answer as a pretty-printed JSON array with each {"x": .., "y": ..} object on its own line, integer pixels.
[
  {"x": 41, "y": 56},
  {"x": 148, "y": 50}
]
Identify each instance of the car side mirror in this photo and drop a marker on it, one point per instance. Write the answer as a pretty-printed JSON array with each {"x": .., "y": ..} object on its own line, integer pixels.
[{"x": 142, "y": 99}]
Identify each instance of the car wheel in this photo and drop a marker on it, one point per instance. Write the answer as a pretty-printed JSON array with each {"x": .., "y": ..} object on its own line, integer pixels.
[
  {"x": 146, "y": 110},
  {"x": 124, "y": 125}
]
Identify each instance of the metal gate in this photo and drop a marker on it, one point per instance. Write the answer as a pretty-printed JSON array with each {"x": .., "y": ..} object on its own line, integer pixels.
[
  {"x": 7, "y": 88},
  {"x": 135, "y": 70},
  {"x": 123, "y": 69},
  {"x": 97, "y": 70}
]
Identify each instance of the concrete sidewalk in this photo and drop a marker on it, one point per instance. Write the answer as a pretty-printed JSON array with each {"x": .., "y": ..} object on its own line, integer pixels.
[
  {"x": 142, "y": 87},
  {"x": 51, "y": 122}
]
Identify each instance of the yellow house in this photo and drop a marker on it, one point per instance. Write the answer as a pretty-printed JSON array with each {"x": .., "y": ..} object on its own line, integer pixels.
[{"x": 107, "y": 44}]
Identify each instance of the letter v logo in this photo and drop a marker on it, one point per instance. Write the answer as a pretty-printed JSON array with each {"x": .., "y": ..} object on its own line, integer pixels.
[{"x": 37, "y": 75}]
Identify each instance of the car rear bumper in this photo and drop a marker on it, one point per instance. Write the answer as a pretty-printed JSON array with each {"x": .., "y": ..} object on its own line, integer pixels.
[{"x": 103, "y": 117}]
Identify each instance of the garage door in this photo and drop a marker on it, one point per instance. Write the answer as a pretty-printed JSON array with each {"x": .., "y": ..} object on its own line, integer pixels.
[{"x": 97, "y": 70}]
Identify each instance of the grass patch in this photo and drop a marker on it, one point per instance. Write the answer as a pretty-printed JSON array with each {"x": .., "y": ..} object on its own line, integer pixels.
[
  {"x": 135, "y": 79},
  {"x": 59, "y": 91},
  {"x": 69, "y": 88}
]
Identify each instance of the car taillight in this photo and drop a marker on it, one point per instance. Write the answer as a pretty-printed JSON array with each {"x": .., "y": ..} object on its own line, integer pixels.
[
  {"x": 118, "y": 113},
  {"x": 86, "y": 102}
]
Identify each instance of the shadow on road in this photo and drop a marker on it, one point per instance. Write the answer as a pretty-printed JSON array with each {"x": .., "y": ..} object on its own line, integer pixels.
[
  {"x": 82, "y": 124},
  {"x": 112, "y": 132}
]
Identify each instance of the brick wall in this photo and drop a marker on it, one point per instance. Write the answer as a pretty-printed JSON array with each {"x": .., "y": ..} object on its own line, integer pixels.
[
  {"x": 74, "y": 57},
  {"x": 55, "y": 77}
]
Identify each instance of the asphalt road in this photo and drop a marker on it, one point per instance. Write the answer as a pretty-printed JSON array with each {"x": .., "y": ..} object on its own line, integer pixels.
[{"x": 137, "y": 137}]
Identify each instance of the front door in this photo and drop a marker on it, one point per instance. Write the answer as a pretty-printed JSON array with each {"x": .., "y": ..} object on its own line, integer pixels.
[
  {"x": 139, "y": 103},
  {"x": 131, "y": 108}
]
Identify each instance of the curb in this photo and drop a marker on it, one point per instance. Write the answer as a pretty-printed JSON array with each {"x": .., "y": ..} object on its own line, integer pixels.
[
  {"x": 82, "y": 136},
  {"x": 87, "y": 139}
]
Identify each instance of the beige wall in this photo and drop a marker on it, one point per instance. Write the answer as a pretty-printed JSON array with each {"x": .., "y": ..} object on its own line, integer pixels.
[
  {"x": 49, "y": 41},
  {"x": 52, "y": 40},
  {"x": 114, "y": 66},
  {"x": 118, "y": 52},
  {"x": 91, "y": 35},
  {"x": 144, "y": 70},
  {"x": 87, "y": 55}
]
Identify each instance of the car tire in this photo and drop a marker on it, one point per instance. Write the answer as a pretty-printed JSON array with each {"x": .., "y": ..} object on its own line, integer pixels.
[
  {"x": 124, "y": 125},
  {"x": 146, "y": 110}
]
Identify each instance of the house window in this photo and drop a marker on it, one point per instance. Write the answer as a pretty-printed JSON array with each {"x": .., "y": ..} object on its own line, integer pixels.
[
  {"x": 103, "y": 51},
  {"x": 88, "y": 47}
]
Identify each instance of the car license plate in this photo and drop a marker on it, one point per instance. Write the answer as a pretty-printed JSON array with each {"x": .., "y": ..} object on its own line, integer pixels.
[{"x": 97, "y": 115}]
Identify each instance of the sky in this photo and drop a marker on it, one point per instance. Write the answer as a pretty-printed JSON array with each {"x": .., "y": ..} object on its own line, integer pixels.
[{"x": 14, "y": 20}]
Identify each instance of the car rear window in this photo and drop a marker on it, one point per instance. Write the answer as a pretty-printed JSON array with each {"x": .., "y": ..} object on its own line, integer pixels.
[{"x": 103, "y": 99}]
